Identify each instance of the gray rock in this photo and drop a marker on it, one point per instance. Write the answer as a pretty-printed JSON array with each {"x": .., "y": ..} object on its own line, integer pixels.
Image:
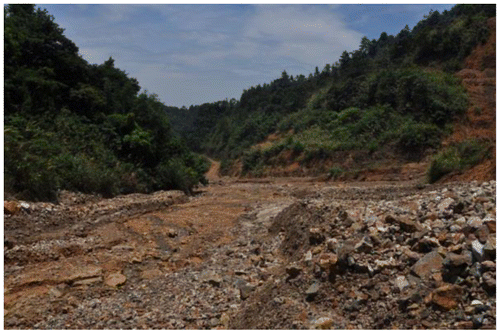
[
  {"x": 488, "y": 266},
  {"x": 246, "y": 290},
  {"x": 490, "y": 249},
  {"x": 312, "y": 291},
  {"x": 364, "y": 245},
  {"x": 456, "y": 264},
  {"x": 332, "y": 244},
  {"x": 475, "y": 222},
  {"x": 405, "y": 224},
  {"x": 426, "y": 245},
  {"x": 477, "y": 250},
  {"x": 445, "y": 204},
  {"x": 401, "y": 283},
  {"x": 489, "y": 282}
]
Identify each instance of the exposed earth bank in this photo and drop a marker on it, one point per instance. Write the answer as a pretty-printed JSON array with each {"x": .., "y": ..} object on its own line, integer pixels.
[{"x": 276, "y": 254}]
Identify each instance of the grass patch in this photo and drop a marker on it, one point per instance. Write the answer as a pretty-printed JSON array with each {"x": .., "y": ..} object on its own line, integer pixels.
[{"x": 457, "y": 158}]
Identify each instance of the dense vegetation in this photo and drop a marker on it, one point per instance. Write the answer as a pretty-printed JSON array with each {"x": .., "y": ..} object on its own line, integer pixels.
[
  {"x": 71, "y": 125},
  {"x": 394, "y": 97}
]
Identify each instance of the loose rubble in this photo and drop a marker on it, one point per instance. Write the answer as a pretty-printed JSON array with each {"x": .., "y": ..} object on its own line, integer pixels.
[{"x": 334, "y": 257}]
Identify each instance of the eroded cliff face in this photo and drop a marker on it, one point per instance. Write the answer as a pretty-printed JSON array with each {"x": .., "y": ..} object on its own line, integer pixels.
[{"x": 479, "y": 78}]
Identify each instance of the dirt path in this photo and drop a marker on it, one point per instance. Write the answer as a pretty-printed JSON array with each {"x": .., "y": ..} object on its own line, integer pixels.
[{"x": 213, "y": 173}]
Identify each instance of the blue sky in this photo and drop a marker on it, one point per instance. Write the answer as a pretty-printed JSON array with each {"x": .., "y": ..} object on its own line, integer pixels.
[{"x": 191, "y": 54}]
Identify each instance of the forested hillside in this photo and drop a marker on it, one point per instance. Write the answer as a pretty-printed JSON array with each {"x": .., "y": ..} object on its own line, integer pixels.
[
  {"x": 394, "y": 98},
  {"x": 75, "y": 126}
]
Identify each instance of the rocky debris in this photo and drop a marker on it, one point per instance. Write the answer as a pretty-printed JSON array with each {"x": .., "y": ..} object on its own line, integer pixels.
[
  {"x": 312, "y": 291},
  {"x": 323, "y": 323},
  {"x": 11, "y": 207},
  {"x": 427, "y": 265},
  {"x": 293, "y": 270},
  {"x": 116, "y": 279},
  {"x": 423, "y": 254},
  {"x": 351, "y": 257},
  {"x": 447, "y": 296}
]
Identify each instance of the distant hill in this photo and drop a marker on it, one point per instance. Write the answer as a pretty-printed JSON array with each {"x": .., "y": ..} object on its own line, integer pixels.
[{"x": 391, "y": 102}]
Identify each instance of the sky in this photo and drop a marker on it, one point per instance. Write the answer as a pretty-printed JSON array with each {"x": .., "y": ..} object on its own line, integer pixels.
[{"x": 192, "y": 54}]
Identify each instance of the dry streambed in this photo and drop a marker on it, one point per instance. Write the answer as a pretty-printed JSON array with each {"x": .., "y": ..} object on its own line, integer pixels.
[{"x": 280, "y": 254}]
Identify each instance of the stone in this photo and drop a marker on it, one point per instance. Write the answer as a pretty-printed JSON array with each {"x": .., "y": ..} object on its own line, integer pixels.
[
  {"x": 308, "y": 256},
  {"x": 332, "y": 244},
  {"x": 11, "y": 207},
  {"x": 431, "y": 262},
  {"x": 293, "y": 270},
  {"x": 482, "y": 233},
  {"x": 412, "y": 256},
  {"x": 401, "y": 283},
  {"x": 312, "y": 291},
  {"x": 85, "y": 272},
  {"x": 490, "y": 248},
  {"x": 115, "y": 279},
  {"x": 445, "y": 204},
  {"x": 477, "y": 320},
  {"x": 426, "y": 245},
  {"x": 464, "y": 325},
  {"x": 488, "y": 266},
  {"x": 491, "y": 223},
  {"x": 214, "y": 322},
  {"x": 316, "y": 236},
  {"x": 171, "y": 233},
  {"x": 214, "y": 280},
  {"x": 447, "y": 296},
  {"x": 88, "y": 281},
  {"x": 224, "y": 319},
  {"x": 456, "y": 264},
  {"x": 405, "y": 224},
  {"x": 245, "y": 290},
  {"x": 327, "y": 261},
  {"x": 474, "y": 222},
  {"x": 55, "y": 292},
  {"x": 489, "y": 282},
  {"x": 477, "y": 250},
  {"x": 323, "y": 323},
  {"x": 364, "y": 245}
]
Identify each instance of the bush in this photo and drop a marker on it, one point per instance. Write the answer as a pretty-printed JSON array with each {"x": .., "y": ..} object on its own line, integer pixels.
[
  {"x": 416, "y": 137},
  {"x": 335, "y": 172},
  {"x": 457, "y": 158}
]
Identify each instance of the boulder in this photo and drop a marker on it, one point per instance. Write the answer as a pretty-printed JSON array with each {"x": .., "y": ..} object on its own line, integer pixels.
[
  {"x": 11, "y": 207},
  {"x": 448, "y": 296},
  {"x": 405, "y": 224},
  {"x": 430, "y": 263},
  {"x": 115, "y": 279},
  {"x": 456, "y": 264}
]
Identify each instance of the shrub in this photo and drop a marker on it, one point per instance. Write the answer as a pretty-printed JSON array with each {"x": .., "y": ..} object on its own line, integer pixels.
[
  {"x": 335, "y": 172},
  {"x": 416, "y": 137},
  {"x": 457, "y": 158}
]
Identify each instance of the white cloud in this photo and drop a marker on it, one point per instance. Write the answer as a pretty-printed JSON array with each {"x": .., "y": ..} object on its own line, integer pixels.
[{"x": 309, "y": 34}]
